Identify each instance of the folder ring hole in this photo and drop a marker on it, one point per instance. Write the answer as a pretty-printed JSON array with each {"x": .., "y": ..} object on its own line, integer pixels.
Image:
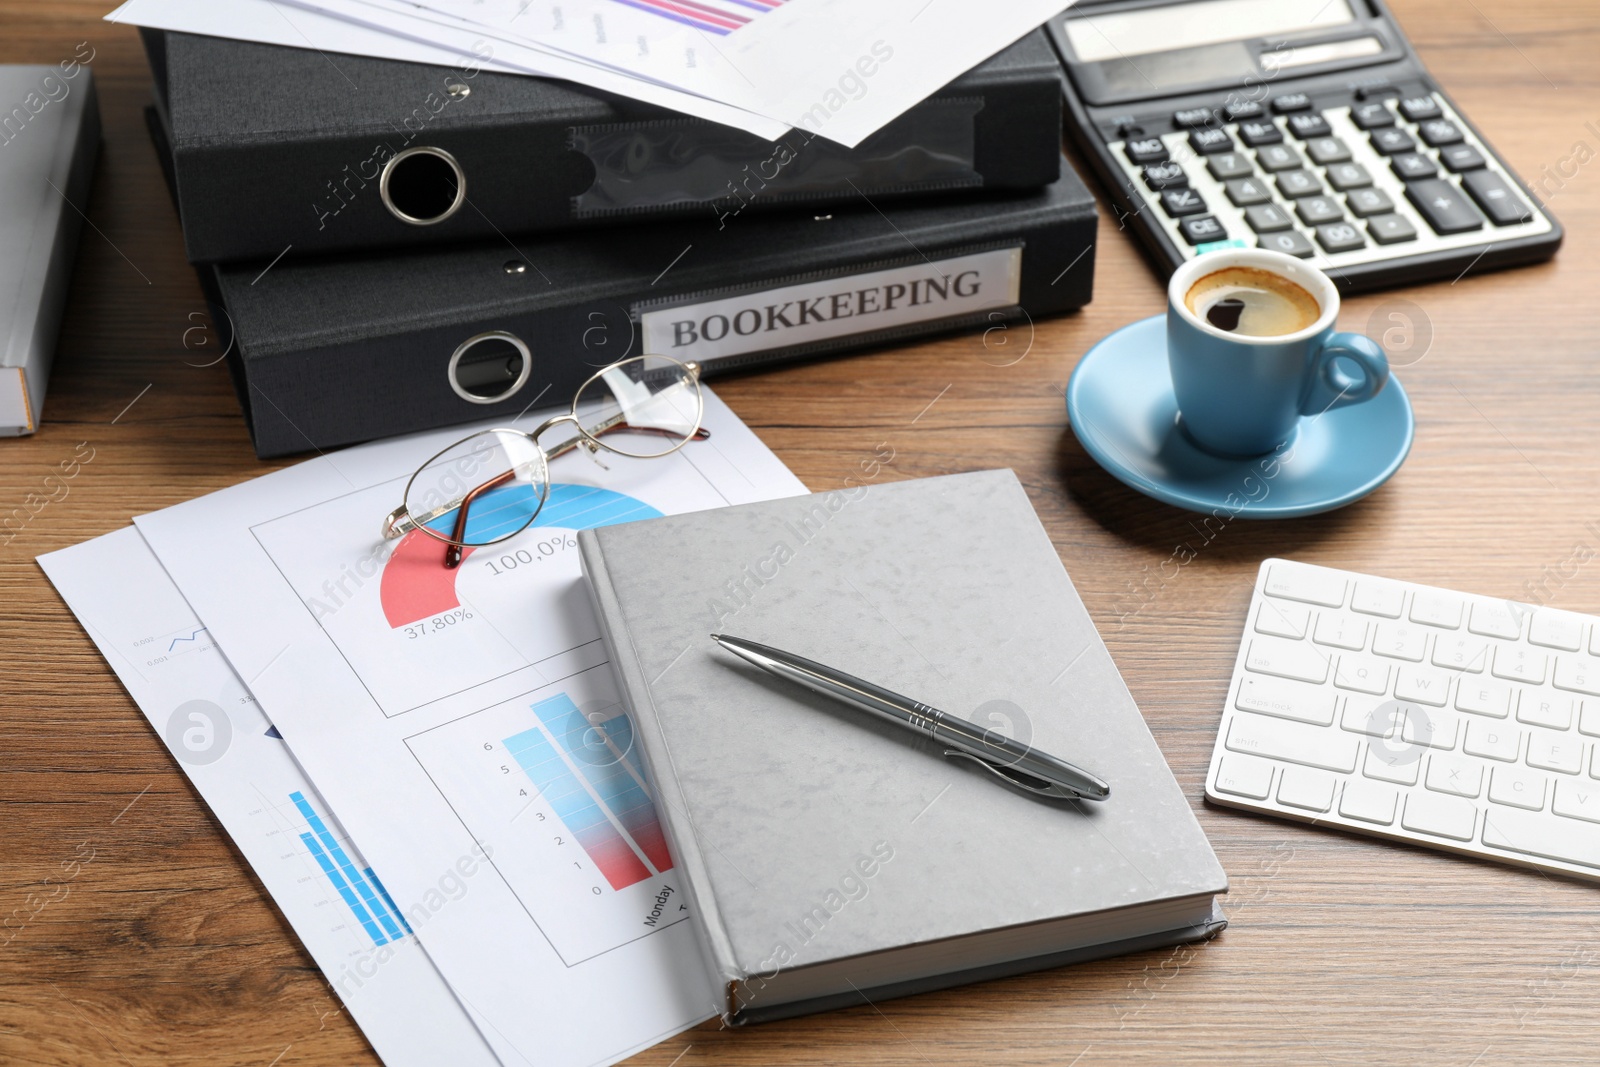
[
  {"x": 423, "y": 186},
  {"x": 490, "y": 367}
]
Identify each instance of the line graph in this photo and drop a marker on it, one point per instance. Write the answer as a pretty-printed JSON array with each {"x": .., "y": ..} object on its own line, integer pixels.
[
  {"x": 195, "y": 636},
  {"x": 721, "y": 17}
]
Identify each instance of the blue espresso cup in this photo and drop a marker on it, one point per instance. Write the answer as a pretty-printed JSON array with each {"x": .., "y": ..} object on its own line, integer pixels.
[{"x": 1243, "y": 395}]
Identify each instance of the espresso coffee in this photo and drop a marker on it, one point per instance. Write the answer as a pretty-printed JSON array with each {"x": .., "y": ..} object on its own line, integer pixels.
[{"x": 1252, "y": 302}]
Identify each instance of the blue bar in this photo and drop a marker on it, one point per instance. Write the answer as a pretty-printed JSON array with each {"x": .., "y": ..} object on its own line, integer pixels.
[
  {"x": 387, "y": 899},
  {"x": 344, "y": 890},
  {"x": 351, "y": 874}
]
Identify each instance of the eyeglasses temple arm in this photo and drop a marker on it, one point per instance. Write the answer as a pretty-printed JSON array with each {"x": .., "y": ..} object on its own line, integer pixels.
[{"x": 452, "y": 552}]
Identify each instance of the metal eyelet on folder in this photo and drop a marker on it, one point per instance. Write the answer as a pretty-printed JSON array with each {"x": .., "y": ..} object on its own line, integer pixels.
[
  {"x": 490, "y": 367},
  {"x": 422, "y": 186}
]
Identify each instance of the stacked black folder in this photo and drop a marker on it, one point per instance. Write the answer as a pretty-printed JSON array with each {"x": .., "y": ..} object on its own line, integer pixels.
[{"x": 396, "y": 247}]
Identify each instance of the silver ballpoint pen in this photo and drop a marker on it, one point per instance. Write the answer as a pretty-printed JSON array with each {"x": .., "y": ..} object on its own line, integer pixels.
[{"x": 1012, "y": 762}]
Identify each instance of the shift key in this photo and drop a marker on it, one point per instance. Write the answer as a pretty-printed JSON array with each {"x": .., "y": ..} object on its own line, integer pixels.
[
  {"x": 1291, "y": 742},
  {"x": 1444, "y": 206}
]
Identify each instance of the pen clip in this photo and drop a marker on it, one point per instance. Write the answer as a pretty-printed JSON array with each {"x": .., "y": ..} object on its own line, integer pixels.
[{"x": 1017, "y": 779}]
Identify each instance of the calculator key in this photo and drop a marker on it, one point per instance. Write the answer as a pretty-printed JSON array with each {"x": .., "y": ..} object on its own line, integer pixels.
[
  {"x": 1145, "y": 150},
  {"x": 1294, "y": 184},
  {"x": 1461, "y": 157},
  {"x": 1267, "y": 218},
  {"x": 1340, "y": 237},
  {"x": 1391, "y": 229},
  {"x": 1181, "y": 202},
  {"x": 1291, "y": 102},
  {"x": 1439, "y": 132},
  {"x": 1409, "y": 166},
  {"x": 1308, "y": 125},
  {"x": 1227, "y": 165},
  {"x": 1264, "y": 131},
  {"x": 1202, "y": 229},
  {"x": 1192, "y": 117},
  {"x": 1290, "y": 242},
  {"x": 1371, "y": 116},
  {"x": 1392, "y": 140},
  {"x": 1326, "y": 150},
  {"x": 1366, "y": 202},
  {"x": 1129, "y": 130},
  {"x": 1315, "y": 210},
  {"x": 1503, "y": 206},
  {"x": 1276, "y": 157},
  {"x": 1168, "y": 175},
  {"x": 1420, "y": 108},
  {"x": 1346, "y": 176},
  {"x": 1239, "y": 110},
  {"x": 1210, "y": 140},
  {"x": 1246, "y": 191},
  {"x": 1442, "y": 204}
]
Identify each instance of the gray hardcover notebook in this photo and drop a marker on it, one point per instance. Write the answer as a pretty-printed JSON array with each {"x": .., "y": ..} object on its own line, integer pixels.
[{"x": 828, "y": 858}]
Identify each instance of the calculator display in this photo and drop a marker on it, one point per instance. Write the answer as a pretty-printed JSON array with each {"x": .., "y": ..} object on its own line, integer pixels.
[{"x": 1145, "y": 31}]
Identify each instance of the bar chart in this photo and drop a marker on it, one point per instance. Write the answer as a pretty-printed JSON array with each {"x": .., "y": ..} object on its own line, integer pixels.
[{"x": 358, "y": 887}]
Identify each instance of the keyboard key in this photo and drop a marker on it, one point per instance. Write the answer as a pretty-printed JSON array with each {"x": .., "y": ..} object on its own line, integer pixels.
[
  {"x": 1460, "y": 652},
  {"x": 1346, "y": 176},
  {"x": 1373, "y": 716},
  {"x": 1267, "y": 218},
  {"x": 1441, "y": 816},
  {"x": 1594, "y": 641},
  {"x": 1362, "y": 674},
  {"x": 1308, "y": 125},
  {"x": 1286, "y": 700},
  {"x": 1229, "y": 165},
  {"x": 1436, "y": 729},
  {"x": 1294, "y": 184},
  {"x": 1446, "y": 210},
  {"x": 1589, "y": 723},
  {"x": 1420, "y": 108},
  {"x": 1282, "y": 105},
  {"x": 1539, "y": 707},
  {"x": 1308, "y": 585},
  {"x": 1423, "y": 685},
  {"x": 1239, "y": 110},
  {"x": 1392, "y": 141},
  {"x": 1495, "y": 619},
  {"x": 1433, "y": 608},
  {"x": 1145, "y": 150},
  {"x": 1411, "y": 166},
  {"x": 1461, "y": 157},
  {"x": 1302, "y": 788},
  {"x": 1577, "y": 800},
  {"x": 1371, "y": 116},
  {"x": 1326, "y": 150},
  {"x": 1245, "y": 776},
  {"x": 1202, "y": 229},
  {"x": 1340, "y": 237},
  {"x": 1518, "y": 787},
  {"x": 1399, "y": 641},
  {"x": 1209, "y": 141},
  {"x": 1482, "y": 696},
  {"x": 1341, "y": 631},
  {"x": 1366, "y": 202},
  {"x": 1492, "y": 740},
  {"x": 1578, "y": 674},
  {"x": 1290, "y": 243},
  {"x": 1554, "y": 629},
  {"x": 1375, "y": 598},
  {"x": 1315, "y": 210},
  {"x": 1454, "y": 775},
  {"x": 1518, "y": 663},
  {"x": 1368, "y": 802},
  {"x": 1309, "y": 746},
  {"x": 1386, "y": 766},
  {"x": 1551, "y": 751},
  {"x": 1279, "y": 619},
  {"x": 1391, "y": 229},
  {"x": 1162, "y": 176},
  {"x": 1246, "y": 191},
  {"x": 1182, "y": 202},
  {"x": 1498, "y": 200},
  {"x": 1256, "y": 134},
  {"x": 1276, "y": 157},
  {"x": 1437, "y": 133},
  {"x": 1287, "y": 659},
  {"x": 1537, "y": 835},
  {"x": 1189, "y": 118}
]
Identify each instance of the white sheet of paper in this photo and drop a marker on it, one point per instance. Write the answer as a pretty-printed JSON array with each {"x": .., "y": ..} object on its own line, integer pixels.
[
  {"x": 445, "y": 712},
  {"x": 317, "y": 876},
  {"x": 301, "y": 25}
]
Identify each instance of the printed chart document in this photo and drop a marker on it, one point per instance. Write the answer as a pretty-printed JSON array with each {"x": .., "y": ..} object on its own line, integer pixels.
[
  {"x": 467, "y": 718},
  {"x": 343, "y": 914}
]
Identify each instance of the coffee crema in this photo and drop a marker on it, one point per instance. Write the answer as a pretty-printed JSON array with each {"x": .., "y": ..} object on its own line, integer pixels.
[{"x": 1252, "y": 302}]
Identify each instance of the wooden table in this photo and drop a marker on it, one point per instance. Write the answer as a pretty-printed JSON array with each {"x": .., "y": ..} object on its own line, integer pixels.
[{"x": 165, "y": 950}]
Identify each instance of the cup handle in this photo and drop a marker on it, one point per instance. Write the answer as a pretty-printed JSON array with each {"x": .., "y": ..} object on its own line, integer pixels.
[{"x": 1332, "y": 386}]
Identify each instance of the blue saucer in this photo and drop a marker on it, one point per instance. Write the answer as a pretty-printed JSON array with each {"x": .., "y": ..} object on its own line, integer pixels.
[{"x": 1121, "y": 406}]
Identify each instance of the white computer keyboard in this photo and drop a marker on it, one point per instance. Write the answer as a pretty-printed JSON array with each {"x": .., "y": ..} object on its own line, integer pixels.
[{"x": 1416, "y": 714}]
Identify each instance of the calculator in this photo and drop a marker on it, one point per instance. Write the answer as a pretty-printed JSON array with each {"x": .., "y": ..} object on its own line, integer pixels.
[{"x": 1304, "y": 126}]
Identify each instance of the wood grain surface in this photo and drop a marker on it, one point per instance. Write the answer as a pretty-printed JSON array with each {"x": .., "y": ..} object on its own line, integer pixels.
[{"x": 163, "y": 948}]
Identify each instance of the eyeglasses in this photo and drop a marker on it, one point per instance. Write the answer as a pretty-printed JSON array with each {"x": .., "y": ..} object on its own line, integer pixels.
[{"x": 489, "y": 486}]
